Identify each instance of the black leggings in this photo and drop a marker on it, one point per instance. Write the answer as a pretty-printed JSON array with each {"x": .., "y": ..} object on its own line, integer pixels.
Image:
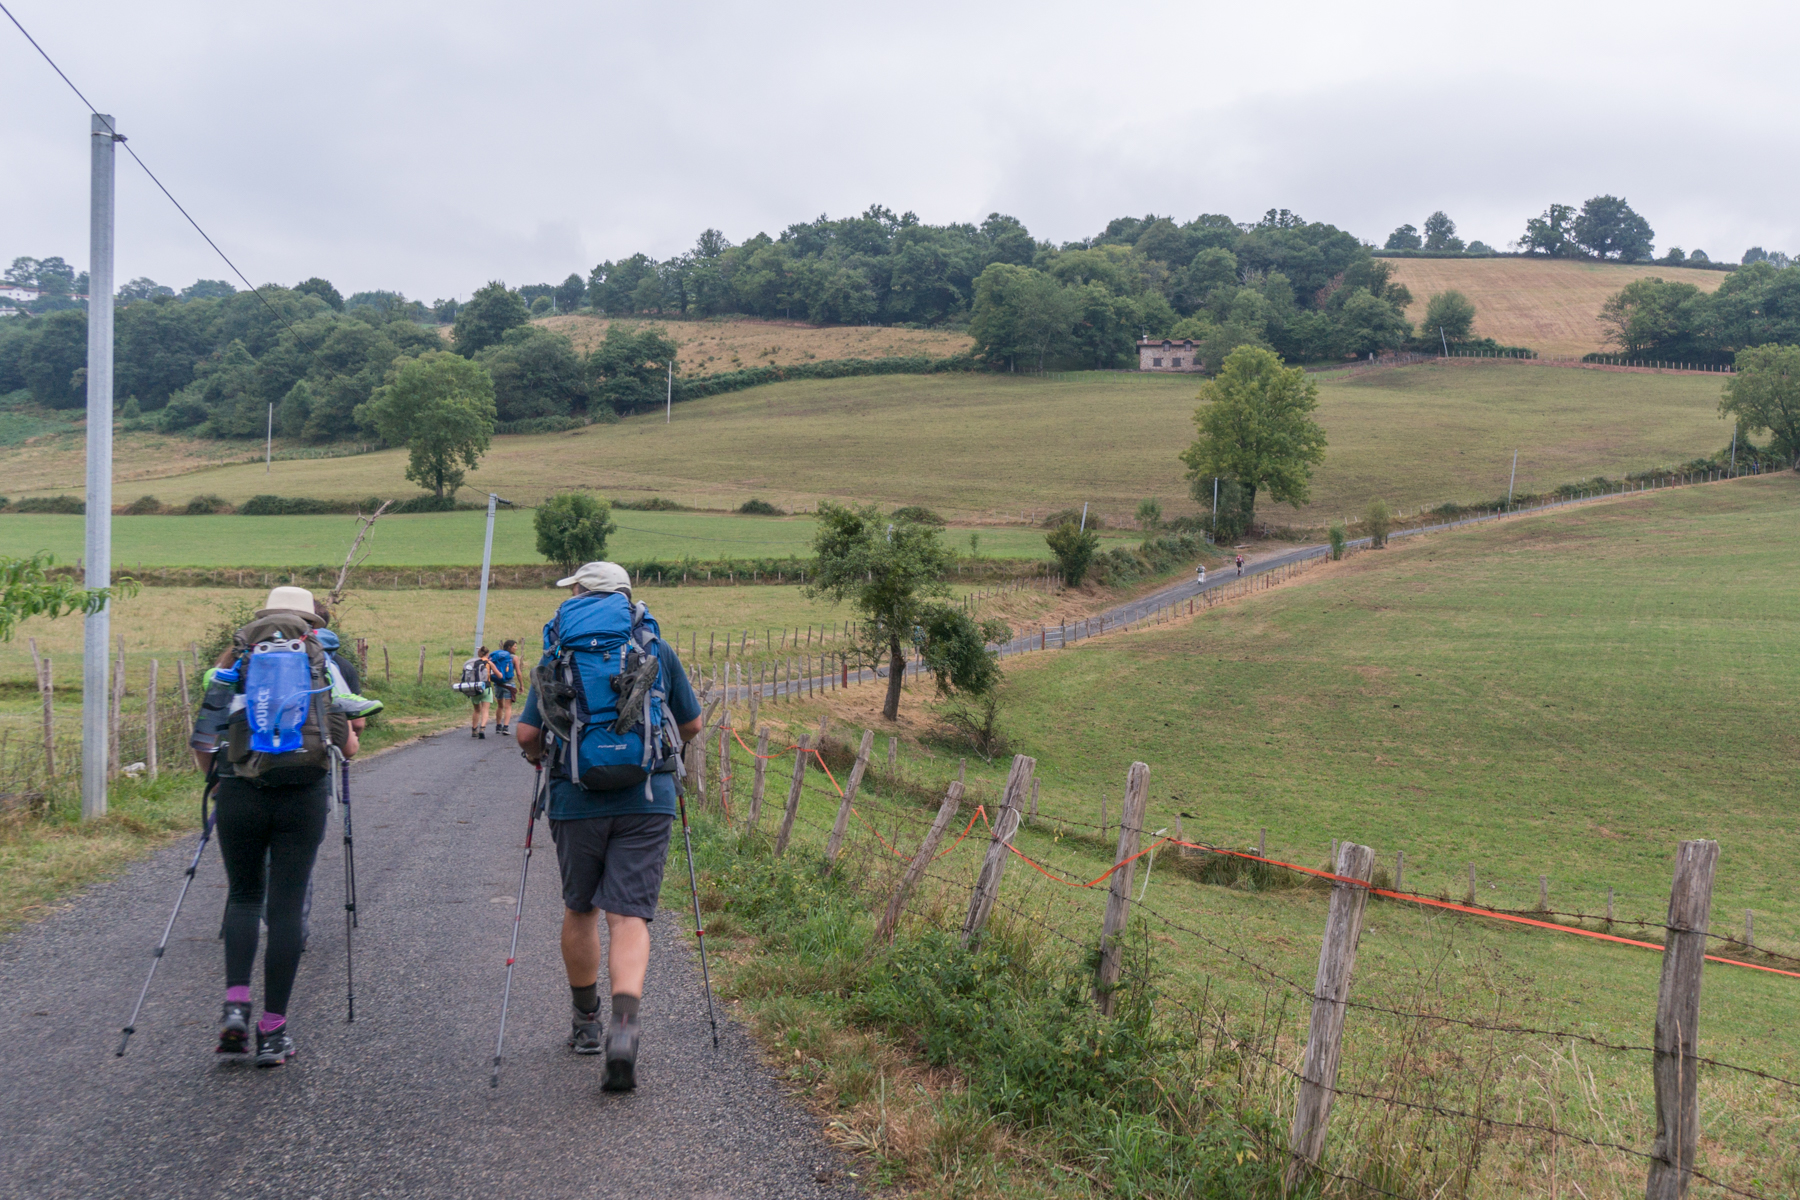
[{"x": 270, "y": 834}]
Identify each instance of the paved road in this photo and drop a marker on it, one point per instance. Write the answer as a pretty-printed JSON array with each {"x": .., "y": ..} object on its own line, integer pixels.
[{"x": 398, "y": 1104}]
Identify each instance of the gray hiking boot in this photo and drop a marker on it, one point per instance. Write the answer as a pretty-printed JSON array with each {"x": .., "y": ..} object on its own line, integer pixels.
[
  {"x": 584, "y": 1032},
  {"x": 621, "y": 1054}
]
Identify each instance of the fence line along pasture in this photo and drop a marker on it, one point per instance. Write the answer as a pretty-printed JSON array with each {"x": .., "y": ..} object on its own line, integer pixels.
[{"x": 915, "y": 848}]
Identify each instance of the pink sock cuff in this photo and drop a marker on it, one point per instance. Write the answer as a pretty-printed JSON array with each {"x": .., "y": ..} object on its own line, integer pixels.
[
  {"x": 237, "y": 995},
  {"x": 270, "y": 1022}
]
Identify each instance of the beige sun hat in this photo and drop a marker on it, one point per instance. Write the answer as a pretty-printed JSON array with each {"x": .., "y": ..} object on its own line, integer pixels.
[
  {"x": 290, "y": 599},
  {"x": 599, "y": 577}
]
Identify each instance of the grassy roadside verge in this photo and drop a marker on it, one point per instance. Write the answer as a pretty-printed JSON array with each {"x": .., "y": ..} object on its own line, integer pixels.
[{"x": 981, "y": 1071}]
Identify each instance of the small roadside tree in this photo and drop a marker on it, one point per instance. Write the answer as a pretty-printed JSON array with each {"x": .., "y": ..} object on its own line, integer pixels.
[
  {"x": 572, "y": 529},
  {"x": 440, "y": 407},
  {"x": 891, "y": 571},
  {"x": 1380, "y": 522},
  {"x": 1765, "y": 394},
  {"x": 1149, "y": 515},
  {"x": 1074, "y": 548},
  {"x": 1256, "y": 426}
]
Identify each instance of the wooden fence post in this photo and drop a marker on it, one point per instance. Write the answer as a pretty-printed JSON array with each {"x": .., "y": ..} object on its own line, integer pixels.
[
  {"x": 387, "y": 666},
  {"x": 1118, "y": 896},
  {"x": 793, "y": 800},
  {"x": 118, "y": 705},
  {"x": 843, "y": 814},
  {"x": 1005, "y": 824},
  {"x": 1034, "y": 799},
  {"x": 756, "y": 785},
  {"x": 893, "y": 752},
  {"x": 47, "y": 683},
  {"x": 922, "y": 859},
  {"x": 724, "y": 762},
  {"x": 1399, "y": 870},
  {"x": 187, "y": 708},
  {"x": 1675, "y": 1073},
  {"x": 756, "y": 698},
  {"x": 421, "y": 666},
  {"x": 150, "y": 723},
  {"x": 1325, "y": 1036}
]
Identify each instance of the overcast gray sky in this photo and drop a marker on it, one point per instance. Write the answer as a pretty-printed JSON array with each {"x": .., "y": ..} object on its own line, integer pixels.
[{"x": 428, "y": 148}]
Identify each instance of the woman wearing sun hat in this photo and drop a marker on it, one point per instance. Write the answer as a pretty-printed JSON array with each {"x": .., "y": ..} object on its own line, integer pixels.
[{"x": 271, "y": 809}]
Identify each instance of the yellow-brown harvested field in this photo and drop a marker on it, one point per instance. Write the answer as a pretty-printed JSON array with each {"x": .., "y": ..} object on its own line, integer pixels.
[
  {"x": 1548, "y": 305},
  {"x": 709, "y": 347}
]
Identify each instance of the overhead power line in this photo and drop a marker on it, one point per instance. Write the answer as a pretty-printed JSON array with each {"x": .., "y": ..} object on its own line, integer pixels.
[{"x": 118, "y": 137}]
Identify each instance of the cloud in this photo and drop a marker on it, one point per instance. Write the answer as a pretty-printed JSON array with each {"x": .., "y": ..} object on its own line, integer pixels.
[{"x": 428, "y": 148}]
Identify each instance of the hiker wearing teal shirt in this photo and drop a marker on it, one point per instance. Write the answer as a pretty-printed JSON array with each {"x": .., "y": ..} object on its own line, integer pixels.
[
  {"x": 506, "y": 683},
  {"x": 612, "y": 764}
]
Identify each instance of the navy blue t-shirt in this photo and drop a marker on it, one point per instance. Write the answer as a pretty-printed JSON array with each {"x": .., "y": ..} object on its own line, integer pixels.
[{"x": 569, "y": 801}]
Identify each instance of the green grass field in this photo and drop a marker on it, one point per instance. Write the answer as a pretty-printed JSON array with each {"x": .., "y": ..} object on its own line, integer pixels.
[
  {"x": 1567, "y": 695},
  {"x": 449, "y": 539},
  {"x": 998, "y": 449}
]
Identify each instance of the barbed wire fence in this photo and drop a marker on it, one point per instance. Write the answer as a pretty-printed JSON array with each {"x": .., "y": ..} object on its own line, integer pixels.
[{"x": 1415, "y": 1086}]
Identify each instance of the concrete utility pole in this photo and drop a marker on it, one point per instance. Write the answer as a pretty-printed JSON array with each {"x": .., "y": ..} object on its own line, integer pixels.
[
  {"x": 1512, "y": 479},
  {"x": 269, "y": 441},
  {"x": 1084, "y": 508},
  {"x": 487, "y": 556},
  {"x": 669, "y": 404},
  {"x": 97, "y": 631}
]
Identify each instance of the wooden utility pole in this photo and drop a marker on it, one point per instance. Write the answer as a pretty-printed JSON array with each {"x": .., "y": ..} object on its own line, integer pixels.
[
  {"x": 1675, "y": 1074},
  {"x": 843, "y": 814},
  {"x": 1118, "y": 897},
  {"x": 1006, "y": 823},
  {"x": 47, "y": 684},
  {"x": 1325, "y": 1037},
  {"x": 927, "y": 851},
  {"x": 793, "y": 800}
]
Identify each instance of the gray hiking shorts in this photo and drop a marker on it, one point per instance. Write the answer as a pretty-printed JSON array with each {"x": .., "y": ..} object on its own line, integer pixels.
[{"x": 614, "y": 864}]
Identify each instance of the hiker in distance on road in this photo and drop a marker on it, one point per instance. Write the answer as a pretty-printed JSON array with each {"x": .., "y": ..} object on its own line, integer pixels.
[
  {"x": 477, "y": 683},
  {"x": 506, "y": 683},
  {"x": 609, "y": 710},
  {"x": 275, "y": 718}
]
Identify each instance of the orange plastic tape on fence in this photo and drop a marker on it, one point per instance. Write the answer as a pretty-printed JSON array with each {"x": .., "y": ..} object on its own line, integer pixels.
[{"x": 1471, "y": 911}]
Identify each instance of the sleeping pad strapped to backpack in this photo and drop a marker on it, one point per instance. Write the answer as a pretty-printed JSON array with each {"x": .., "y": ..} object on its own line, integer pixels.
[
  {"x": 601, "y": 693},
  {"x": 281, "y": 728}
]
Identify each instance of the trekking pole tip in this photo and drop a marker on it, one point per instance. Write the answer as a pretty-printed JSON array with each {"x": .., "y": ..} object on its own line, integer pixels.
[{"x": 124, "y": 1037}]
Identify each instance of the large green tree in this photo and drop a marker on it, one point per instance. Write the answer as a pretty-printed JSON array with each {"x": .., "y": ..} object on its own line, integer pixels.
[
  {"x": 484, "y": 320},
  {"x": 1449, "y": 314},
  {"x": 1549, "y": 234},
  {"x": 1607, "y": 228},
  {"x": 572, "y": 529},
  {"x": 1022, "y": 317},
  {"x": 1256, "y": 426},
  {"x": 892, "y": 572},
  {"x": 441, "y": 408},
  {"x": 1765, "y": 394}
]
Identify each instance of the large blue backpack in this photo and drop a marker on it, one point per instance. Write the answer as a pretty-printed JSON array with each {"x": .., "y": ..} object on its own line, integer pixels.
[{"x": 602, "y": 695}]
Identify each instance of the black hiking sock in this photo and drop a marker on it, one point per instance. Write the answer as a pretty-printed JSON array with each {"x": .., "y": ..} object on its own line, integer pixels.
[
  {"x": 587, "y": 999},
  {"x": 624, "y": 1007}
]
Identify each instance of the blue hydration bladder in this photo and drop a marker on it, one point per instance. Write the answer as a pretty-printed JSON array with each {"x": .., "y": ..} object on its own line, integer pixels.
[{"x": 277, "y": 695}]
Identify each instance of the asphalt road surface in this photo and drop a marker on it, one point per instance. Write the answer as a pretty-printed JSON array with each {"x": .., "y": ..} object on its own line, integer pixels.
[{"x": 398, "y": 1103}]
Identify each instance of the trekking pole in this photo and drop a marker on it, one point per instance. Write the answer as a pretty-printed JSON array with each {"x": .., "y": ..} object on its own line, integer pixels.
[
  {"x": 206, "y": 827},
  {"x": 340, "y": 783},
  {"x": 699, "y": 929},
  {"x": 512, "y": 955}
]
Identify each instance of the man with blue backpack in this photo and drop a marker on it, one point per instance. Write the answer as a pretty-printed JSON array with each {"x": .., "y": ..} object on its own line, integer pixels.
[{"x": 608, "y": 712}]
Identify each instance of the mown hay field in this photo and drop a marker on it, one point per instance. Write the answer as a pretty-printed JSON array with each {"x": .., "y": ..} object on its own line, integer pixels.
[
  {"x": 714, "y": 345},
  {"x": 1549, "y": 305},
  {"x": 998, "y": 449}
]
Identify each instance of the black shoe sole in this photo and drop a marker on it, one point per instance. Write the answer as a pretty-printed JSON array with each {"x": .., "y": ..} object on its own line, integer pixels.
[
  {"x": 233, "y": 1043},
  {"x": 621, "y": 1075}
]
